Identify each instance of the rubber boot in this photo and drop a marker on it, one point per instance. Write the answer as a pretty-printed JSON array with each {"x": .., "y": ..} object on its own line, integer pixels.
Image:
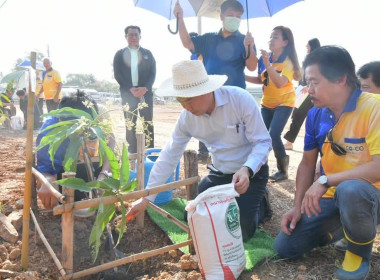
[{"x": 282, "y": 166}]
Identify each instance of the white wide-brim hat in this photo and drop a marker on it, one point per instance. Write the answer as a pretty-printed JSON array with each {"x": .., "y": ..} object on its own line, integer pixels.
[{"x": 190, "y": 79}]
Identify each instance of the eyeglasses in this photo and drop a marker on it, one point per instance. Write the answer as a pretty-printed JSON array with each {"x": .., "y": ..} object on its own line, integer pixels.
[
  {"x": 337, "y": 149},
  {"x": 133, "y": 35},
  {"x": 266, "y": 79}
]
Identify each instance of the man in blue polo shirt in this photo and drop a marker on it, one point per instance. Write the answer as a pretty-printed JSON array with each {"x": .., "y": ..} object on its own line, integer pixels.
[{"x": 226, "y": 52}]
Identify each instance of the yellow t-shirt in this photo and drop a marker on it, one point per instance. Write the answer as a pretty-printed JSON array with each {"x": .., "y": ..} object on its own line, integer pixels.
[
  {"x": 358, "y": 132},
  {"x": 273, "y": 96},
  {"x": 38, "y": 87},
  {"x": 50, "y": 84}
]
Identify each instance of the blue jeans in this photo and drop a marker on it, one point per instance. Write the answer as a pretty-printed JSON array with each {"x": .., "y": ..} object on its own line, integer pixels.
[
  {"x": 275, "y": 120},
  {"x": 354, "y": 211},
  {"x": 249, "y": 202}
]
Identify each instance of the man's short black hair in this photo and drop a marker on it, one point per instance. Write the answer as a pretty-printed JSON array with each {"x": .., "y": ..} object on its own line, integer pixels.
[
  {"x": 20, "y": 92},
  {"x": 371, "y": 69},
  {"x": 132, "y": 27},
  {"x": 236, "y": 5},
  {"x": 77, "y": 100},
  {"x": 334, "y": 63}
]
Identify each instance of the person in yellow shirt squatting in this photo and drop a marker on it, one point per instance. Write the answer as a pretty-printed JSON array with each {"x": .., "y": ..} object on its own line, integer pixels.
[
  {"x": 344, "y": 129},
  {"x": 51, "y": 86}
]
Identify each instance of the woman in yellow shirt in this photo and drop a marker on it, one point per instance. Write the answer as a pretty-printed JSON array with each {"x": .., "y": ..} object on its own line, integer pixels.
[{"x": 277, "y": 69}]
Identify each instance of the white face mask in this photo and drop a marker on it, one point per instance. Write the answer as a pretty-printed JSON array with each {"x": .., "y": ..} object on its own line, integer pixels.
[{"x": 231, "y": 24}]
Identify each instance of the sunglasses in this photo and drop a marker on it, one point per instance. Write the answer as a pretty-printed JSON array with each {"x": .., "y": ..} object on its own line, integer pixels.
[
  {"x": 266, "y": 80},
  {"x": 337, "y": 149}
]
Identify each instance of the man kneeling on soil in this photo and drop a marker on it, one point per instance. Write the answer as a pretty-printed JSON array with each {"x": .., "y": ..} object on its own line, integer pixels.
[
  {"x": 228, "y": 121},
  {"x": 80, "y": 101},
  {"x": 344, "y": 128}
]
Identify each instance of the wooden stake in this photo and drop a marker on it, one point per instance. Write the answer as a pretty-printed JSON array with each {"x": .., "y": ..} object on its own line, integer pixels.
[
  {"x": 126, "y": 260},
  {"x": 28, "y": 169},
  {"x": 140, "y": 170},
  {"x": 68, "y": 229},
  {"x": 57, "y": 194},
  {"x": 128, "y": 196},
  {"x": 168, "y": 216},
  {"x": 47, "y": 245},
  {"x": 190, "y": 159}
]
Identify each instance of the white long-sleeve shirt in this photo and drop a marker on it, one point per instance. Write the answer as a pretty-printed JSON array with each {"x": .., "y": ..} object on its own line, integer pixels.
[{"x": 234, "y": 134}]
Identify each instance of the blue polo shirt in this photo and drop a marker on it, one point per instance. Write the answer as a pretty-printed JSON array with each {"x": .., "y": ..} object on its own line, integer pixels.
[
  {"x": 44, "y": 164},
  {"x": 223, "y": 56},
  {"x": 320, "y": 120}
]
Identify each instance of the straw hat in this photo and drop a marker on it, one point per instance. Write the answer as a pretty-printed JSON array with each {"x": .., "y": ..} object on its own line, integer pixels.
[{"x": 190, "y": 79}]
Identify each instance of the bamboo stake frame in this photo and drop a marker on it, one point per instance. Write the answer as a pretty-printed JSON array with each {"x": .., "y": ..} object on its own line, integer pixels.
[{"x": 68, "y": 207}]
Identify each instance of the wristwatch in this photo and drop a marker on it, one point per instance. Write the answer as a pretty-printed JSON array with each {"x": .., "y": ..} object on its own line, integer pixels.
[
  {"x": 323, "y": 181},
  {"x": 251, "y": 174}
]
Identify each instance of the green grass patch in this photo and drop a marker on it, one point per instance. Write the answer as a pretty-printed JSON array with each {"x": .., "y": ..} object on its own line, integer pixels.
[{"x": 256, "y": 249}]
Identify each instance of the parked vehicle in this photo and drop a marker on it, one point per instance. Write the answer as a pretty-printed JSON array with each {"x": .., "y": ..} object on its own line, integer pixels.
[
  {"x": 113, "y": 98},
  {"x": 94, "y": 94},
  {"x": 159, "y": 101},
  {"x": 65, "y": 91}
]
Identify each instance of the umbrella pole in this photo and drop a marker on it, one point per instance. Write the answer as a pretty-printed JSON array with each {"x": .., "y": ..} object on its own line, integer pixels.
[
  {"x": 249, "y": 46},
  {"x": 28, "y": 170}
]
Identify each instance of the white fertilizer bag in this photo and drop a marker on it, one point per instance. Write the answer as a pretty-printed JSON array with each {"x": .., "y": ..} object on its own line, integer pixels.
[{"x": 214, "y": 223}]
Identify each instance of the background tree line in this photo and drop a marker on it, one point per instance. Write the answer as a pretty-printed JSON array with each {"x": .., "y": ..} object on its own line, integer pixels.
[{"x": 76, "y": 80}]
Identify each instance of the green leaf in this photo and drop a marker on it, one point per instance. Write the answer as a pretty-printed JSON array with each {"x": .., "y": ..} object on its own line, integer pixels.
[
  {"x": 68, "y": 112},
  {"x": 111, "y": 183},
  {"x": 130, "y": 186},
  {"x": 59, "y": 124},
  {"x": 123, "y": 220},
  {"x": 54, "y": 147},
  {"x": 50, "y": 137},
  {"x": 99, "y": 133},
  {"x": 114, "y": 164},
  {"x": 105, "y": 214},
  {"x": 75, "y": 183},
  {"x": 124, "y": 169},
  {"x": 72, "y": 153}
]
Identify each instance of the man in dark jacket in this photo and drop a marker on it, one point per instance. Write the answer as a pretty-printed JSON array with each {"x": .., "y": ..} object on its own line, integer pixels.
[{"x": 135, "y": 71}]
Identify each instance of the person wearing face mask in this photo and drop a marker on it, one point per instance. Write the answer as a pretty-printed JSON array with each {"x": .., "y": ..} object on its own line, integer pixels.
[{"x": 224, "y": 52}]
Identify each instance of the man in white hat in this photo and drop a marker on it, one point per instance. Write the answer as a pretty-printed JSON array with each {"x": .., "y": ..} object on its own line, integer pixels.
[{"x": 227, "y": 119}]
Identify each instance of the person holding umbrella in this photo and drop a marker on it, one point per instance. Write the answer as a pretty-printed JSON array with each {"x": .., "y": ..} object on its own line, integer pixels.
[{"x": 223, "y": 53}]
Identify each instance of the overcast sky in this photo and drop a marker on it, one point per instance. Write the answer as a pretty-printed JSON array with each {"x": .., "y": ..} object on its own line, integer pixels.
[{"x": 83, "y": 35}]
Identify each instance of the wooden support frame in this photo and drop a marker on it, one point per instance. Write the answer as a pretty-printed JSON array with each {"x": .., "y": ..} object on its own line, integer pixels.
[{"x": 68, "y": 207}]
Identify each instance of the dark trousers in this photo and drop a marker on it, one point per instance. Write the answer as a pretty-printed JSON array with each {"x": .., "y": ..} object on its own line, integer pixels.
[
  {"x": 202, "y": 149},
  {"x": 51, "y": 105},
  {"x": 40, "y": 104},
  {"x": 298, "y": 117},
  {"x": 249, "y": 202},
  {"x": 146, "y": 113}
]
